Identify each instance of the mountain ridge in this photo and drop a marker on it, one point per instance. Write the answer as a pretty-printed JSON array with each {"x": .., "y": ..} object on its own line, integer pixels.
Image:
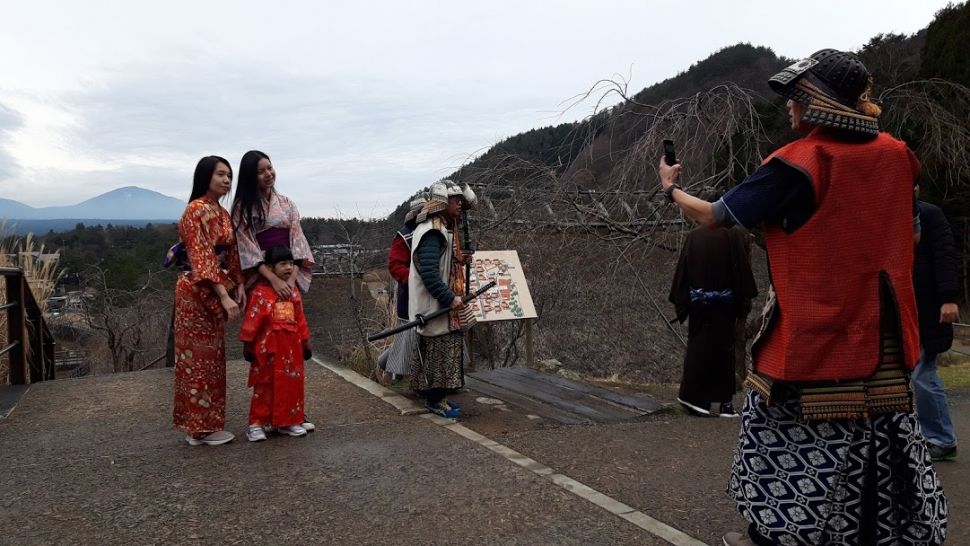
[{"x": 124, "y": 203}]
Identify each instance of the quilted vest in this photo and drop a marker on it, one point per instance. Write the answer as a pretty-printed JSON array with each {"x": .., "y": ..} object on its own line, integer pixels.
[
  {"x": 827, "y": 273},
  {"x": 420, "y": 301}
]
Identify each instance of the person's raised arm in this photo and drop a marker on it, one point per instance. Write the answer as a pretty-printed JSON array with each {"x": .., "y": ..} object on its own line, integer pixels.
[{"x": 694, "y": 208}]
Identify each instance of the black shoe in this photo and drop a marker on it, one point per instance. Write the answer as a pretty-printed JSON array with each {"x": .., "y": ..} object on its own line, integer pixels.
[
  {"x": 940, "y": 453},
  {"x": 727, "y": 410}
]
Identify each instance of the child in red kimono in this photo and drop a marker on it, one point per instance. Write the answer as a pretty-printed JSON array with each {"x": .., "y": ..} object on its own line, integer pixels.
[{"x": 276, "y": 340}]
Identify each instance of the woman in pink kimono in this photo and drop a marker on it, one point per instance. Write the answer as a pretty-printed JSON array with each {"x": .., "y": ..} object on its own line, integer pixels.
[{"x": 264, "y": 219}]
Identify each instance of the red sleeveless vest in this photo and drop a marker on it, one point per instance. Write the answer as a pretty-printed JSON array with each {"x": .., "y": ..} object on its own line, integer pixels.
[{"x": 827, "y": 273}]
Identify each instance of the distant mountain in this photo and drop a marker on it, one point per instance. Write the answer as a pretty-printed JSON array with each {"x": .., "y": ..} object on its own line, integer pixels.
[
  {"x": 15, "y": 209},
  {"x": 128, "y": 203}
]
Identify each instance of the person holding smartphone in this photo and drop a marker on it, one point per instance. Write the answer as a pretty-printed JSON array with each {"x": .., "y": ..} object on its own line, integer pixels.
[{"x": 830, "y": 451}]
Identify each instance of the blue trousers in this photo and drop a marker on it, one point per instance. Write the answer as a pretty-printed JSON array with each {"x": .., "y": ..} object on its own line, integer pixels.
[{"x": 931, "y": 406}]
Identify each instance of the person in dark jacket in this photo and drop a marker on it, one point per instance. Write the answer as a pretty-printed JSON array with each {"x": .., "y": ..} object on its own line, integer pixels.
[
  {"x": 712, "y": 288},
  {"x": 936, "y": 282}
]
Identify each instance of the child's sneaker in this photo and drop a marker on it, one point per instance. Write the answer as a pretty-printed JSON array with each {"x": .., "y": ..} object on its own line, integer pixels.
[
  {"x": 307, "y": 425},
  {"x": 295, "y": 430},
  {"x": 453, "y": 405},
  {"x": 255, "y": 433},
  {"x": 443, "y": 410}
]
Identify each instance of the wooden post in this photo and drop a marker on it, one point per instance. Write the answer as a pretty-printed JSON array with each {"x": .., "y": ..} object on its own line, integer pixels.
[
  {"x": 530, "y": 347},
  {"x": 49, "y": 355},
  {"x": 15, "y": 329},
  {"x": 36, "y": 361}
]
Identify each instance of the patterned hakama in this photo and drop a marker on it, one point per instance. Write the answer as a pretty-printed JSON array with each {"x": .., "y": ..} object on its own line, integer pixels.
[
  {"x": 800, "y": 482},
  {"x": 437, "y": 362}
]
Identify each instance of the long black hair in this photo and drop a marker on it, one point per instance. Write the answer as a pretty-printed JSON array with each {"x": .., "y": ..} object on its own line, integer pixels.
[
  {"x": 247, "y": 205},
  {"x": 202, "y": 178}
]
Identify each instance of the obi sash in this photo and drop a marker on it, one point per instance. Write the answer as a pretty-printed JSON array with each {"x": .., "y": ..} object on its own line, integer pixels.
[
  {"x": 699, "y": 295},
  {"x": 274, "y": 236},
  {"x": 178, "y": 256}
]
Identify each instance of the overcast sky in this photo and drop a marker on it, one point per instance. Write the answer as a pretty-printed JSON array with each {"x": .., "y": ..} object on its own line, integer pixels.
[{"x": 358, "y": 105}]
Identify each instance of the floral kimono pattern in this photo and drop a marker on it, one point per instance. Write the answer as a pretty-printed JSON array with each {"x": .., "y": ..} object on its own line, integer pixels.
[
  {"x": 200, "y": 320},
  {"x": 281, "y": 214},
  {"x": 276, "y": 329}
]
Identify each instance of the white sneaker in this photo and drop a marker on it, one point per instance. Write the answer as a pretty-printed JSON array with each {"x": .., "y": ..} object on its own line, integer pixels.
[
  {"x": 308, "y": 426},
  {"x": 218, "y": 437},
  {"x": 295, "y": 430},
  {"x": 255, "y": 433},
  {"x": 696, "y": 409}
]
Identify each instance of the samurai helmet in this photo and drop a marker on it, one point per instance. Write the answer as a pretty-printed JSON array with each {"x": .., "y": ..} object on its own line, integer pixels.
[
  {"x": 466, "y": 192},
  {"x": 834, "y": 87}
]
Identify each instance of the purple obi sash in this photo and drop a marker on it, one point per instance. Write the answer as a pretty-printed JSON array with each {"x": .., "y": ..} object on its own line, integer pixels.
[{"x": 275, "y": 236}]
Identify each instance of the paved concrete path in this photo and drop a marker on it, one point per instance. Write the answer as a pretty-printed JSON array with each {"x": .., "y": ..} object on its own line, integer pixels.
[{"x": 96, "y": 461}]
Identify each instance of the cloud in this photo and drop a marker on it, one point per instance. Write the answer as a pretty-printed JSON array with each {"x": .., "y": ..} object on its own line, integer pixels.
[
  {"x": 338, "y": 143},
  {"x": 10, "y": 120}
]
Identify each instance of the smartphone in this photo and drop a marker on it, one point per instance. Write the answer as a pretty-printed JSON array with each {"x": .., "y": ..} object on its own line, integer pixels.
[{"x": 670, "y": 158}]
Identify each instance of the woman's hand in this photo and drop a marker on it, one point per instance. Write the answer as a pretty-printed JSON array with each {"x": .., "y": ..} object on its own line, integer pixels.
[
  {"x": 241, "y": 296},
  {"x": 229, "y": 304},
  {"x": 457, "y": 304},
  {"x": 281, "y": 287}
]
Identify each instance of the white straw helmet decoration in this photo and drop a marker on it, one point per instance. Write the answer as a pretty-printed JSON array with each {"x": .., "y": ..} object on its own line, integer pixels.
[
  {"x": 437, "y": 200},
  {"x": 415, "y": 207}
]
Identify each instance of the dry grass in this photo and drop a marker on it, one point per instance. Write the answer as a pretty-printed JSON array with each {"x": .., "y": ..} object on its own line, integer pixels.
[
  {"x": 41, "y": 277},
  {"x": 956, "y": 377},
  {"x": 955, "y": 369}
]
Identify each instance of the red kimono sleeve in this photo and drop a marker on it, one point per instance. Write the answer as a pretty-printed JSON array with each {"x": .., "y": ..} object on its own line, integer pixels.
[
  {"x": 196, "y": 231},
  {"x": 399, "y": 260},
  {"x": 235, "y": 269},
  {"x": 301, "y": 325},
  {"x": 257, "y": 312}
]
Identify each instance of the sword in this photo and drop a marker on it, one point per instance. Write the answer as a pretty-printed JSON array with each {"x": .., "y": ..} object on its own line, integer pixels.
[
  {"x": 466, "y": 244},
  {"x": 422, "y": 319}
]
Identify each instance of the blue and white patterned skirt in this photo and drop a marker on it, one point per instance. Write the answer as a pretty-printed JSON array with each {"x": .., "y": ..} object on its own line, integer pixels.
[{"x": 804, "y": 483}]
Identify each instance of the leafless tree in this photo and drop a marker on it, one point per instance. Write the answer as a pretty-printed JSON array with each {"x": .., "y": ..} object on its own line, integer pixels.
[
  {"x": 132, "y": 324},
  {"x": 598, "y": 242}
]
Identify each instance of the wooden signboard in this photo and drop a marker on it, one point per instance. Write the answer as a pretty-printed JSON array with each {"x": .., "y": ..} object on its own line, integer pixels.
[{"x": 510, "y": 300}]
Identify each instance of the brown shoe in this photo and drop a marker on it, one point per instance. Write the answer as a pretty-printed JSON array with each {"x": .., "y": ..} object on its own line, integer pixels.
[{"x": 737, "y": 539}]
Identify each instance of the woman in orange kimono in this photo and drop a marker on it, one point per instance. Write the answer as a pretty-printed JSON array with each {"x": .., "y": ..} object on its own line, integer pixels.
[
  {"x": 276, "y": 340},
  {"x": 207, "y": 294}
]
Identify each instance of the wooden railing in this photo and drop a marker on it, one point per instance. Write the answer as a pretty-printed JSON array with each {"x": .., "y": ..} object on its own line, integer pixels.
[{"x": 30, "y": 344}]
